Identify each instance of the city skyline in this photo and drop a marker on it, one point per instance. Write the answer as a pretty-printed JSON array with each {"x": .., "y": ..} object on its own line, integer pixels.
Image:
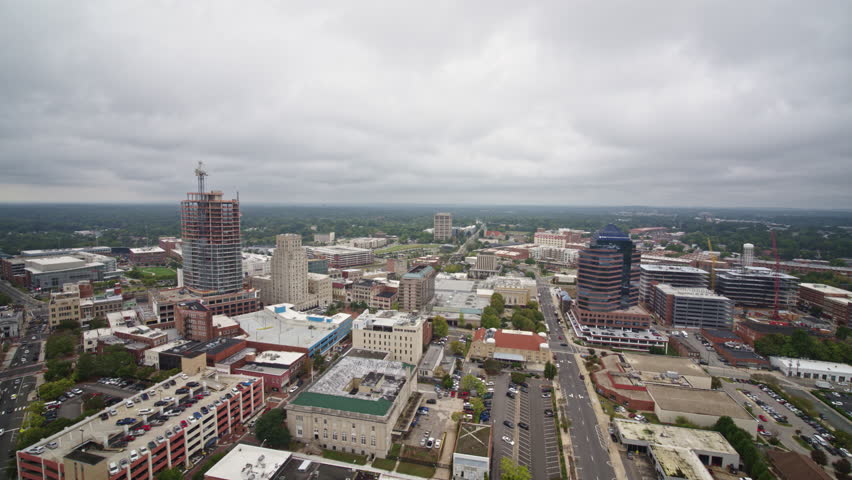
[{"x": 571, "y": 103}]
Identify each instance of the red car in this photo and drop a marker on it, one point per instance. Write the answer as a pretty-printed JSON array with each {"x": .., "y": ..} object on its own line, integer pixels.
[
  {"x": 199, "y": 396},
  {"x": 129, "y": 438},
  {"x": 183, "y": 423},
  {"x": 762, "y": 418},
  {"x": 146, "y": 427}
]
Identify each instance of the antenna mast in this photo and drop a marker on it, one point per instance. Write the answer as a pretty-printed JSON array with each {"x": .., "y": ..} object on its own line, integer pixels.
[{"x": 200, "y": 172}]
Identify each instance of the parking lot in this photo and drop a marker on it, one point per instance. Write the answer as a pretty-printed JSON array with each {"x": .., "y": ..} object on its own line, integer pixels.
[
  {"x": 536, "y": 446},
  {"x": 436, "y": 422},
  {"x": 770, "y": 405},
  {"x": 840, "y": 400}
]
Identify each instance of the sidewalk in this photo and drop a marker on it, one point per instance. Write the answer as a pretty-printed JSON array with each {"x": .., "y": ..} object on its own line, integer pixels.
[{"x": 603, "y": 421}]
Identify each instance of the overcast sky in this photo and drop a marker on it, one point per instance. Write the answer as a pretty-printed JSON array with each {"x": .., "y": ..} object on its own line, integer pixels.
[{"x": 675, "y": 103}]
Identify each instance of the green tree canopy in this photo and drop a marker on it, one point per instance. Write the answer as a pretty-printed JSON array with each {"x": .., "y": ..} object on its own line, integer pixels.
[
  {"x": 270, "y": 428},
  {"x": 509, "y": 470},
  {"x": 447, "y": 381},
  {"x": 549, "y": 370},
  {"x": 60, "y": 345},
  {"x": 170, "y": 474},
  {"x": 440, "y": 327},
  {"x": 470, "y": 383},
  {"x": 498, "y": 302},
  {"x": 52, "y": 390}
]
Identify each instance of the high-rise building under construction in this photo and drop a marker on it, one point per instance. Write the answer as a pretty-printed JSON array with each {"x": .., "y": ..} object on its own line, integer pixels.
[{"x": 210, "y": 228}]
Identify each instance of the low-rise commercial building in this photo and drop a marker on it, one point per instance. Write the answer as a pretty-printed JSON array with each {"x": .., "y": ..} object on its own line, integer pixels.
[
  {"x": 675, "y": 452},
  {"x": 164, "y": 302},
  {"x": 150, "y": 442},
  {"x": 50, "y": 273},
  {"x": 472, "y": 456},
  {"x": 814, "y": 369},
  {"x": 354, "y": 406},
  {"x": 341, "y": 256},
  {"x": 276, "y": 368},
  {"x": 11, "y": 323},
  {"x": 510, "y": 346},
  {"x": 401, "y": 334},
  {"x": 692, "y": 307},
  {"x": 732, "y": 349},
  {"x": 699, "y": 406},
  {"x": 281, "y": 327},
  {"x": 516, "y": 291},
  {"x": 750, "y": 331},
  {"x": 147, "y": 256},
  {"x": 795, "y": 466}
]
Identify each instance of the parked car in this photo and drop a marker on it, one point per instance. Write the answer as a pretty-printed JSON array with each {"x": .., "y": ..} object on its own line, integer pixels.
[
  {"x": 508, "y": 440},
  {"x": 508, "y": 424}
]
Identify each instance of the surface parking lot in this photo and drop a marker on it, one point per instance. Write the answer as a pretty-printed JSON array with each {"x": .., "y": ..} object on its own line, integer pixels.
[
  {"x": 840, "y": 400},
  {"x": 537, "y": 447},
  {"x": 436, "y": 423}
]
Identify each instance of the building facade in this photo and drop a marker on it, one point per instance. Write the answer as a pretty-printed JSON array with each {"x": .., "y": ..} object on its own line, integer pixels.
[
  {"x": 210, "y": 230},
  {"x": 147, "y": 256},
  {"x": 289, "y": 270},
  {"x": 342, "y": 256},
  {"x": 510, "y": 345},
  {"x": 354, "y": 406},
  {"x": 443, "y": 227},
  {"x": 417, "y": 288},
  {"x": 402, "y": 335},
  {"x": 755, "y": 287},
  {"x": 673, "y": 275},
  {"x": 692, "y": 307},
  {"x": 100, "y": 450}
]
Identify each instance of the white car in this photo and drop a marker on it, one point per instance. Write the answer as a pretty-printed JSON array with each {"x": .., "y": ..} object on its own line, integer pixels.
[
  {"x": 508, "y": 440},
  {"x": 438, "y": 443},
  {"x": 145, "y": 411},
  {"x": 293, "y": 388},
  {"x": 169, "y": 399},
  {"x": 128, "y": 404}
]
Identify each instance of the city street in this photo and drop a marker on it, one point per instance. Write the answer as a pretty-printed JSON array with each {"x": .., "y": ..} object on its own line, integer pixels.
[
  {"x": 12, "y": 411},
  {"x": 588, "y": 439}
]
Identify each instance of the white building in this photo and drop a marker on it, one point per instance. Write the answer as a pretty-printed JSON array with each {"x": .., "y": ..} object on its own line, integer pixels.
[
  {"x": 398, "y": 333},
  {"x": 817, "y": 370},
  {"x": 255, "y": 264}
]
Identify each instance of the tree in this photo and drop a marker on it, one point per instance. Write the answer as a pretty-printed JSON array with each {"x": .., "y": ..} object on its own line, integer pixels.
[
  {"x": 509, "y": 470},
  {"x": 842, "y": 467},
  {"x": 818, "y": 455},
  {"x": 549, "y": 370},
  {"x": 319, "y": 362},
  {"x": 52, "y": 390},
  {"x": 58, "y": 369},
  {"x": 456, "y": 347},
  {"x": 470, "y": 383},
  {"x": 440, "y": 327},
  {"x": 478, "y": 407},
  {"x": 498, "y": 302},
  {"x": 715, "y": 383},
  {"x": 530, "y": 261},
  {"x": 170, "y": 474},
  {"x": 98, "y": 322},
  {"x": 491, "y": 366},
  {"x": 270, "y": 428},
  {"x": 59, "y": 345},
  {"x": 447, "y": 381}
]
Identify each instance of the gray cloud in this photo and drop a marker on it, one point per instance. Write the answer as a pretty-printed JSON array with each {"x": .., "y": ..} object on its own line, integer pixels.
[{"x": 667, "y": 103}]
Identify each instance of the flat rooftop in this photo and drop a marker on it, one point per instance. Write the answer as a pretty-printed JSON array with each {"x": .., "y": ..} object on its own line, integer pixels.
[
  {"x": 283, "y": 325},
  {"x": 662, "y": 364},
  {"x": 147, "y": 250},
  {"x": 722, "y": 333},
  {"x": 656, "y": 268},
  {"x": 671, "y": 436},
  {"x": 458, "y": 295},
  {"x": 357, "y": 384},
  {"x": 387, "y": 319},
  {"x": 699, "y": 401},
  {"x": 281, "y": 359},
  {"x": 826, "y": 289},
  {"x": 474, "y": 439},
  {"x": 680, "y": 463},
  {"x": 690, "y": 292},
  {"x": 245, "y": 460},
  {"x": 98, "y": 433}
]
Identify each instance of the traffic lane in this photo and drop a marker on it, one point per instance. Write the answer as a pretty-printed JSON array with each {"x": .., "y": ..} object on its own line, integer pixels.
[
  {"x": 831, "y": 416},
  {"x": 591, "y": 456}
]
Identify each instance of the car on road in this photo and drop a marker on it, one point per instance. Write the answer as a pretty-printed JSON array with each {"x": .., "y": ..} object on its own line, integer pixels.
[{"x": 508, "y": 440}]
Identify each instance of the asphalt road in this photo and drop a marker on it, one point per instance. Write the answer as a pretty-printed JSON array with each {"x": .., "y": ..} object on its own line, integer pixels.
[
  {"x": 587, "y": 437},
  {"x": 19, "y": 296},
  {"x": 13, "y": 410}
]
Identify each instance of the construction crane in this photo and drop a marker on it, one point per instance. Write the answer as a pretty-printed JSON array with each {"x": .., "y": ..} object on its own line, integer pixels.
[
  {"x": 712, "y": 265},
  {"x": 775, "y": 314}
]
